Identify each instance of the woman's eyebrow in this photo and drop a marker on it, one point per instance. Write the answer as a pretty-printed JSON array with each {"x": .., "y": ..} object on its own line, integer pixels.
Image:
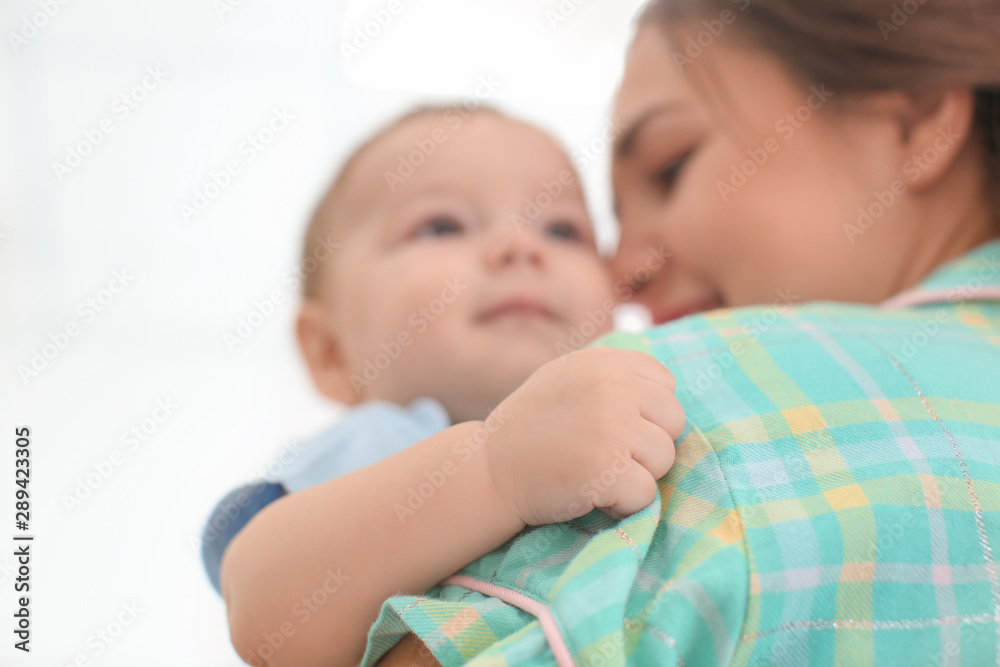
[{"x": 626, "y": 142}]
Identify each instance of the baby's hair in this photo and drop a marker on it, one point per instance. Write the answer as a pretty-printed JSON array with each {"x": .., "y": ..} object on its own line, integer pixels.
[{"x": 325, "y": 218}]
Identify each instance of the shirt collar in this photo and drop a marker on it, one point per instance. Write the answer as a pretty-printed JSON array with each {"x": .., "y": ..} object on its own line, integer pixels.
[{"x": 975, "y": 276}]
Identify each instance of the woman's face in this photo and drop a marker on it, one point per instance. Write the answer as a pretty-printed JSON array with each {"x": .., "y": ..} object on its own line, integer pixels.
[{"x": 752, "y": 183}]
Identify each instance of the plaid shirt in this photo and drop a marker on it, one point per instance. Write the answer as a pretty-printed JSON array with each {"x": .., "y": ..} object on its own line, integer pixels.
[{"x": 835, "y": 501}]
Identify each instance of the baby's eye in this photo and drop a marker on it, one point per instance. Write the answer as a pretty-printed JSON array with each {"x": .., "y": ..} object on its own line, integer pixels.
[
  {"x": 562, "y": 229},
  {"x": 440, "y": 226}
]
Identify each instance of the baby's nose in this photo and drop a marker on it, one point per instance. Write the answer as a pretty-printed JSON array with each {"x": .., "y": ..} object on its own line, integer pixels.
[{"x": 511, "y": 244}]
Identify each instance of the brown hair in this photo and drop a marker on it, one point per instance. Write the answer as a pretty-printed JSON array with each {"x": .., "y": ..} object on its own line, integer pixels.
[
  {"x": 856, "y": 46},
  {"x": 324, "y": 216}
]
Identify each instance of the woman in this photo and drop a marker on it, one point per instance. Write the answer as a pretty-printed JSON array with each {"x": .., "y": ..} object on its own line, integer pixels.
[{"x": 836, "y": 497}]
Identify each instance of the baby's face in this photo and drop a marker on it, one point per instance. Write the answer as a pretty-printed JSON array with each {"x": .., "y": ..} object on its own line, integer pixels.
[{"x": 444, "y": 284}]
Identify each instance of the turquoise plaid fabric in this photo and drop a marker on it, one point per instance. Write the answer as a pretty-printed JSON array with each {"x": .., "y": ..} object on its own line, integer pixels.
[{"x": 835, "y": 501}]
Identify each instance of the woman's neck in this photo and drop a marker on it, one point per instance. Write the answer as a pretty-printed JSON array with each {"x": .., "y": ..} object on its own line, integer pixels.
[{"x": 958, "y": 217}]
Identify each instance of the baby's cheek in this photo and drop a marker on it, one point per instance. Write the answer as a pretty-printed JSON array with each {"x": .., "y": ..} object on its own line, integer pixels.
[{"x": 600, "y": 308}]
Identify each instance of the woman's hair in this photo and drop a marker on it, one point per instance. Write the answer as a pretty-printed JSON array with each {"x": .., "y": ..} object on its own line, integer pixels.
[{"x": 857, "y": 46}]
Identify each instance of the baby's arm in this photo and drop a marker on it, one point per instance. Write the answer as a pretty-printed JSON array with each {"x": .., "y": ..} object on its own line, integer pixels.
[
  {"x": 312, "y": 569},
  {"x": 305, "y": 579}
]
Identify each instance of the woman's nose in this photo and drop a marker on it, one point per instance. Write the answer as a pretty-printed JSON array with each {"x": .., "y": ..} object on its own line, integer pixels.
[{"x": 637, "y": 263}]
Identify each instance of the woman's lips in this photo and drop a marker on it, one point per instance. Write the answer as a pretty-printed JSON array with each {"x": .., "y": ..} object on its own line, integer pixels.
[{"x": 665, "y": 315}]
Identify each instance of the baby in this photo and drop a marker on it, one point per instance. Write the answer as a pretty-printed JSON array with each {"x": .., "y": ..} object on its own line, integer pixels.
[{"x": 452, "y": 287}]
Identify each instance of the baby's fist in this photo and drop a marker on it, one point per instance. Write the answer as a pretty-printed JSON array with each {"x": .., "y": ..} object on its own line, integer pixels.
[{"x": 592, "y": 429}]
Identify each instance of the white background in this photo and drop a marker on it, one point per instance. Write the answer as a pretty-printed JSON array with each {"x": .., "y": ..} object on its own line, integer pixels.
[{"x": 134, "y": 539}]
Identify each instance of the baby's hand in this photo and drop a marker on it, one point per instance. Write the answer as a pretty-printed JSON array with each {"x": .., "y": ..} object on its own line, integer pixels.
[{"x": 593, "y": 429}]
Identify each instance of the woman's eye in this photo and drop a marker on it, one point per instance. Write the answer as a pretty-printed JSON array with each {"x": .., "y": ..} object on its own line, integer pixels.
[
  {"x": 666, "y": 178},
  {"x": 440, "y": 226},
  {"x": 561, "y": 229}
]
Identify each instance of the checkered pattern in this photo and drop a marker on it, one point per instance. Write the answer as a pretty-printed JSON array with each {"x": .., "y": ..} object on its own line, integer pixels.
[{"x": 835, "y": 501}]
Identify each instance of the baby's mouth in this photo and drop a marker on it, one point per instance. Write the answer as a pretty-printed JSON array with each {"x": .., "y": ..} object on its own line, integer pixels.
[{"x": 517, "y": 307}]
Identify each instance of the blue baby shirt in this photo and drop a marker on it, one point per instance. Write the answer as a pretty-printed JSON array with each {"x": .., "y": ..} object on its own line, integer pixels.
[{"x": 367, "y": 434}]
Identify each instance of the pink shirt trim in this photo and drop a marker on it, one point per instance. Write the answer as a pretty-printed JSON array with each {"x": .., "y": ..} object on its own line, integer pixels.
[
  {"x": 924, "y": 297},
  {"x": 557, "y": 643}
]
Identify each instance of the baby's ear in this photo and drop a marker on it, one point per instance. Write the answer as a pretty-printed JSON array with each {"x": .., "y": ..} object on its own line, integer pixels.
[{"x": 321, "y": 349}]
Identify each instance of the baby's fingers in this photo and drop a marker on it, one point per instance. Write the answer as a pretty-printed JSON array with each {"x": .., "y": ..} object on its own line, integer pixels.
[
  {"x": 634, "y": 489},
  {"x": 653, "y": 450},
  {"x": 661, "y": 407},
  {"x": 648, "y": 368}
]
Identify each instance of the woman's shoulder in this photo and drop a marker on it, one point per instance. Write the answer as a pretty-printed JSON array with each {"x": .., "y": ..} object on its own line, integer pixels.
[{"x": 831, "y": 361}]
